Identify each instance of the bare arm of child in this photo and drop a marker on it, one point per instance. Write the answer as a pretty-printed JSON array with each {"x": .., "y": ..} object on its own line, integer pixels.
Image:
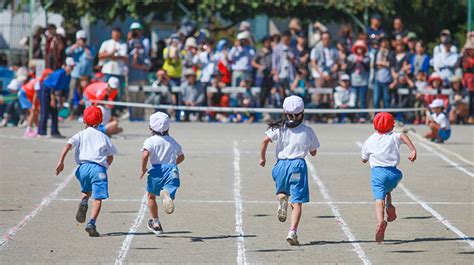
[
  {"x": 110, "y": 159},
  {"x": 314, "y": 152},
  {"x": 263, "y": 150},
  {"x": 60, "y": 166},
  {"x": 145, "y": 155},
  {"x": 406, "y": 140},
  {"x": 180, "y": 159}
]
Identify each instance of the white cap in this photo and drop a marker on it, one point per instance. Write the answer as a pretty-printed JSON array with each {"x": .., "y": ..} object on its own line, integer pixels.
[
  {"x": 244, "y": 25},
  {"x": 159, "y": 122},
  {"x": 189, "y": 71},
  {"x": 70, "y": 61},
  {"x": 81, "y": 34},
  {"x": 113, "y": 82},
  {"x": 135, "y": 25},
  {"x": 293, "y": 105},
  {"x": 244, "y": 35},
  {"x": 22, "y": 74},
  {"x": 345, "y": 77},
  {"x": 190, "y": 42},
  {"x": 61, "y": 32},
  {"x": 437, "y": 103},
  {"x": 14, "y": 85}
]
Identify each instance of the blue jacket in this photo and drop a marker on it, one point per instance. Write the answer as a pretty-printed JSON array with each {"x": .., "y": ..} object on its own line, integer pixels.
[{"x": 58, "y": 81}]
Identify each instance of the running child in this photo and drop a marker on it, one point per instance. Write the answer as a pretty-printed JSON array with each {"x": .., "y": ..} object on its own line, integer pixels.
[
  {"x": 438, "y": 121},
  {"x": 293, "y": 142},
  {"x": 164, "y": 154},
  {"x": 94, "y": 154},
  {"x": 382, "y": 151}
]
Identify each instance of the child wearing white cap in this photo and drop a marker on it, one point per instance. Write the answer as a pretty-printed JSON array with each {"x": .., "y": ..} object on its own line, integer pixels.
[
  {"x": 293, "y": 142},
  {"x": 438, "y": 121},
  {"x": 164, "y": 154}
]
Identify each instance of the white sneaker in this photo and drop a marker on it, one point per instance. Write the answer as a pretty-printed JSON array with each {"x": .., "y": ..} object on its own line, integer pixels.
[
  {"x": 282, "y": 209},
  {"x": 168, "y": 204},
  {"x": 292, "y": 238}
]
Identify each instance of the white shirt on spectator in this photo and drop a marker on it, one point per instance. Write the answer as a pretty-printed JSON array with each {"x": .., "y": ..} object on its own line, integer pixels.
[
  {"x": 207, "y": 62},
  {"x": 241, "y": 58},
  {"x": 442, "y": 120},
  {"x": 92, "y": 146},
  {"x": 293, "y": 143},
  {"x": 344, "y": 96},
  {"x": 162, "y": 149},
  {"x": 382, "y": 150},
  {"x": 444, "y": 63},
  {"x": 113, "y": 67}
]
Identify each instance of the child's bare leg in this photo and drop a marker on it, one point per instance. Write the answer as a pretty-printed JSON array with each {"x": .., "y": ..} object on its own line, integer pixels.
[
  {"x": 281, "y": 196},
  {"x": 379, "y": 210},
  {"x": 152, "y": 206},
  {"x": 96, "y": 205},
  {"x": 388, "y": 199},
  {"x": 296, "y": 215},
  {"x": 85, "y": 196}
]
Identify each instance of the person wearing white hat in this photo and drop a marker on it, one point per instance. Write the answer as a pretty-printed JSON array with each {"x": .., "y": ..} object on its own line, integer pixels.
[
  {"x": 294, "y": 141},
  {"x": 344, "y": 97},
  {"x": 438, "y": 122},
  {"x": 164, "y": 154},
  {"x": 240, "y": 57}
]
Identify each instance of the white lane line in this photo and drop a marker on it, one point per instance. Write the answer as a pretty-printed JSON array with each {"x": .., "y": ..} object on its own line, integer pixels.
[
  {"x": 437, "y": 146},
  {"x": 273, "y": 202},
  {"x": 15, "y": 137},
  {"x": 131, "y": 232},
  {"x": 241, "y": 257},
  {"x": 437, "y": 216},
  {"x": 10, "y": 234},
  {"x": 335, "y": 211}
]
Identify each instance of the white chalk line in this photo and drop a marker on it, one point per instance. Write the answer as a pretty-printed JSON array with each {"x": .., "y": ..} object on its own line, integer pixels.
[
  {"x": 10, "y": 234},
  {"x": 16, "y": 137},
  {"x": 335, "y": 211},
  {"x": 131, "y": 232},
  {"x": 241, "y": 256},
  {"x": 438, "y": 216}
]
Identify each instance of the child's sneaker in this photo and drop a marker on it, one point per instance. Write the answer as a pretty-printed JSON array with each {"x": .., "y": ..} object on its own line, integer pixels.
[
  {"x": 91, "y": 229},
  {"x": 391, "y": 213},
  {"x": 157, "y": 229},
  {"x": 81, "y": 212},
  {"x": 168, "y": 203},
  {"x": 292, "y": 238},
  {"x": 380, "y": 234},
  {"x": 282, "y": 209}
]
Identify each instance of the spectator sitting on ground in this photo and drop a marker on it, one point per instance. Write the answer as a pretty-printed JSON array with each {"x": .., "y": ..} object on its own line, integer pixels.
[
  {"x": 110, "y": 124},
  {"x": 438, "y": 122},
  {"x": 344, "y": 97},
  {"x": 101, "y": 91}
]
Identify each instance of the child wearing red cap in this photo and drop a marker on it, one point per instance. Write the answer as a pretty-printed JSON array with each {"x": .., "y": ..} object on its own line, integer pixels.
[
  {"x": 382, "y": 151},
  {"x": 94, "y": 154}
]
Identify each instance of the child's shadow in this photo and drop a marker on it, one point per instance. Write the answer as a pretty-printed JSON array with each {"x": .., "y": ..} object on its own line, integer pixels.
[
  {"x": 142, "y": 233},
  {"x": 388, "y": 242}
]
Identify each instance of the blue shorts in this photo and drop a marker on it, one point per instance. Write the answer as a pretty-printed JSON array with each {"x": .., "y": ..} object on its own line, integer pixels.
[
  {"x": 161, "y": 177},
  {"x": 24, "y": 101},
  {"x": 444, "y": 134},
  {"x": 291, "y": 178},
  {"x": 384, "y": 179},
  {"x": 102, "y": 128},
  {"x": 93, "y": 178}
]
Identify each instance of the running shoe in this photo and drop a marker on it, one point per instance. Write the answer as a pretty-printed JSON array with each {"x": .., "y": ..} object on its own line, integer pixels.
[
  {"x": 391, "y": 213},
  {"x": 380, "y": 233},
  {"x": 81, "y": 212},
  {"x": 92, "y": 230},
  {"x": 157, "y": 229},
  {"x": 168, "y": 203},
  {"x": 292, "y": 238},
  {"x": 282, "y": 209}
]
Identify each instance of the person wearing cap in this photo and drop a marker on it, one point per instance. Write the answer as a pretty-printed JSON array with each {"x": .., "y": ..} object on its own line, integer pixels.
[
  {"x": 294, "y": 140},
  {"x": 83, "y": 56},
  {"x": 53, "y": 91},
  {"x": 344, "y": 96},
  {"x": 375, "y": 27},
  {"x": 94, "y": 153},
  {"x": 136, "y": 31},
  {"x": 444, "y": 63},
  {"x": 164, "y": 154},
  {"x": 101, "y": 91},
  {"x": 444, "y": 37},
  {"x": 190, "y": 53},
  {"x": 435, "y": 82},
  {"x": 467, "y": 62},
  {"x": 173, "y": 60},
  {"x": 240, "y": 57},
  {"x": 438, "y": 122},
  {"x": 13, "y": 108},
  {"x": 192, "y": 92},
  {"x": 382, "y": 151},
  {"x": 359, "y": 69}
]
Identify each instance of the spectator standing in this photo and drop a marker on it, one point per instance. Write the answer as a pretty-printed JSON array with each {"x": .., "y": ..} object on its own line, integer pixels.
[
  {"x": 54, "y": 50},
  {"x": 399, "y": 32},
  {"x": 400, "y": 69},
  {"x": 139, "y": 63},
  {"x": 383, "y": 77},
  {"x": 467, "y": 62},
  {"x": 240, "y": 57},
  {"x": 136, "y": 32},
  {"x": 375, "y": 29},
  {"x": 193, "y": 94},
  {"x": 359, "y": 69},
  {"x": 263, "y": 65},
  {"x": 190, "y": 53},
  {"x": 344, "y": 97},
  {"x": 445, "y": 62},
  {"x": 420, "y": 62},
  {"x": 224, "y": 72},
  {"x": 441, "y": 48},
  {"x": 173, "y": 61},
  {"x": 37, "y": 43},
  {"x": 284, "y": 59},
  {"x": 206, "y": 60}
]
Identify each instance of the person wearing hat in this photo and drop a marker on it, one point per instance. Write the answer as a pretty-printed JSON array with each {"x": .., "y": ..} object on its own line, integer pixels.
[
  {"x": 94, "y": 154},
  {"x": 173, "y": 60},
  {"x": 106, "y": 91},
  {"x": 435, "y": 82},
  {"x": 467, "y": 62},
  {"x": 164, "y": 154},
  {"x": 13, "y": 108},
  {"x": 444, "y": 63},
  {"x": 192, "y": 92},
  {"x": 83, "y": 56},
  {"x": 382, "y": 151},
  {"x": 375, "y": 29},
  {"x": 240, "y": 57},
  {"x": 53, "y": 91},
  {"x": 438, "y": 122},
  {"x": 358, "y": 65},
  {"x": 444, "y": 37},
  {"x": 190, "y": 53},
  {"x": 136, "y": 32},
  {"x": 344, "y": 96},
  {"x": 294, "y": 140}
]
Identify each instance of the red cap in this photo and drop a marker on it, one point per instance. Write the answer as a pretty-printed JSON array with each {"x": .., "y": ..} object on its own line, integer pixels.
[
  {"x": 383, "y": 122},
  {"x": 92, "y": 116}
]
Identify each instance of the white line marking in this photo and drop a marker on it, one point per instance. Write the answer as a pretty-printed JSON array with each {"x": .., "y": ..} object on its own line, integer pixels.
[
  {"x": 131, "y": 233},
  {"x": 10, "y": 234},
  {"x": 335, "y": 211},
  {"x": 241, "y": 257},
  {"x": 437, "y": 216},
  {"x": 443, "y": 149},
  {"x": 15, "y": 137}
]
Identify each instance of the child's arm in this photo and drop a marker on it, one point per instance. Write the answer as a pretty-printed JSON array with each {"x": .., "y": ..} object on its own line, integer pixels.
[
  {"x": 263, "y": 150},
  {"x": 180, "y": 159},
  {"x": 60, "y": 166},
  {"x": 406, "y": 140},
  {"x": 145, "y": 155},
  {"x": 110, "y": 159}
]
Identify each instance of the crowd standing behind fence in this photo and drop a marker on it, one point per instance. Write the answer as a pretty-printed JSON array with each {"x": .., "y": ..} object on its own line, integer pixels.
[{"x": 375, "y": 69}]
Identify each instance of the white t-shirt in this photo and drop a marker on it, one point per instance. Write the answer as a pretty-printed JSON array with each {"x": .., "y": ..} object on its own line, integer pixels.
[
  {"x": 382, "y": 150},
  {"x": 292, "y": 143},
  {"x": 442, "y": 120},
  {"x": 109, "y": 66},
  {"x": 162, "y": 149},
  {"x": 92, "y": 146},
  {"x": 106, "y": 115}
]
